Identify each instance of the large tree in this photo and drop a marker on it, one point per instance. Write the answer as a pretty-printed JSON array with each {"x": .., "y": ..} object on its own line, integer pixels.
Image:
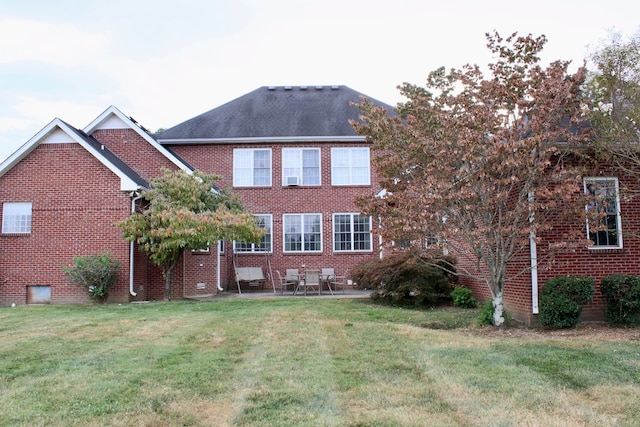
[
  {"x": 186, "y": 211},
  {"x": 479, "y": 163},
  {"x": 613, "y": 86}
]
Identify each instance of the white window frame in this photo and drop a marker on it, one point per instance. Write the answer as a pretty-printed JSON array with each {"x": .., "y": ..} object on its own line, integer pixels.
[
  {"x": 344, "y": 162},
  {"x": 252, "y": 248},
  {"x": 244, "y": 167},
  {"x": 305, "y": 220},
  {"x": 297, "y": 169},
  {"x": 352, "y": 233},
  {"x": 618, "y": 219},
  {"x": 17, "y": 217}
]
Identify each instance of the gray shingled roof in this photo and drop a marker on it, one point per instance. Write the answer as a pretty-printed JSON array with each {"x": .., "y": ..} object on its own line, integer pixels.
[
  {"x": 275, "y": 112},
  {"x": 111, "y": 157}
]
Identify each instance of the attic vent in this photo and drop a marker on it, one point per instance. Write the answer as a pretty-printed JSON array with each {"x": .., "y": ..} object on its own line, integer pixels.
[
  {"x": 272, "y": 88},
  {"x": 303, "y": 87},
  {"x": 319, "y": 87},
  {"x": 287, "y": 88},
  {"x": 335, "y": 87}
]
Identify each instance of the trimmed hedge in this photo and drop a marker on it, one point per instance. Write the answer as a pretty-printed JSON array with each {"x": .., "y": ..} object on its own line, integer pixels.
[
  {"x": 562, "y": 298},
  {"x": 622, "y": 293}
]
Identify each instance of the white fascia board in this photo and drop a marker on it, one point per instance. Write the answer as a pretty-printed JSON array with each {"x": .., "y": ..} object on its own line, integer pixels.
[
  {"x": 112, "y": 110},
  {"x": 126, "y": 184},
  {"x": 29, "y": 146},
  {"x": 286, "y": 139}
]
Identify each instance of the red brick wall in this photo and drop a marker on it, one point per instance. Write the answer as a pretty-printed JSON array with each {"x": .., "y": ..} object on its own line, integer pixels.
[
  {"x": 277, "y": 200},
  {"x": 595, "y": 263},
  {"x": 76, "y": 202},
  {"x": 129, "y": 146}
]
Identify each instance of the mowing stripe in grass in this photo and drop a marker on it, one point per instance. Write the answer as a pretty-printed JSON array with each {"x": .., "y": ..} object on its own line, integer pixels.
[{"x": 287, "y": 376}]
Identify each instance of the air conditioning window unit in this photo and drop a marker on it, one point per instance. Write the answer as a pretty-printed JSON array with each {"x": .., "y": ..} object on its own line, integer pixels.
[{"x": 292, "y": 181}]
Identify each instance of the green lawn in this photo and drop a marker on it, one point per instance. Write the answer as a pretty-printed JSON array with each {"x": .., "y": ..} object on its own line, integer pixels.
[{"x": 305, "y": 362}]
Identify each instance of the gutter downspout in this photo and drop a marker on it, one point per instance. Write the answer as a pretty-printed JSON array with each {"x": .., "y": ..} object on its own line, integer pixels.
[
  {"x": 533, "y": 249},
  {"x": 131, "y": 248},
  {"x": 534, "y": 272},
  {"x": 220, "y": 288}
]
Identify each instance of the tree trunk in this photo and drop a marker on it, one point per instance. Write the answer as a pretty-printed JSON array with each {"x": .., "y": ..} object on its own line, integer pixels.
[
  {"x": 498, "y": 310},
  {"x": 167, "y": 284}
]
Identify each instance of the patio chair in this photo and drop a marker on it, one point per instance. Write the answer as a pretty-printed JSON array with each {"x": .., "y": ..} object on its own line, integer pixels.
[
  {"x": 292, "y": 274},
  {"x": 311, "y": 279},
  {"x": 328, "y": 276},
  {"x": 339, "y": 282},
  {"x": 287, "y": 281}
]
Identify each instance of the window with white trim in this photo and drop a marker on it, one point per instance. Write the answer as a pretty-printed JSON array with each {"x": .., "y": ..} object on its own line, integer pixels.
[
  {"x": 302, "y": 232},
  {"x": 16, "y": 217},
  {"x": 251, "y": 167},
  {"x": 608, "y": 232},
  {"x": 266, "y": 242},
  {"x": 301, "y": 163},
  {"x": 351, "y": 232},
  {"x": 350, "y": 166}
]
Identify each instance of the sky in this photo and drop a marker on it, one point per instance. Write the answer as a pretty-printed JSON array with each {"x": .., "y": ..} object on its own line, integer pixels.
[{"x": 164, "y": 62}]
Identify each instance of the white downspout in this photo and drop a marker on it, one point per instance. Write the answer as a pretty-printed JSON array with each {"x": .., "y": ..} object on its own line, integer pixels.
[
  {"x": 220, "y": 288},
  {"x": 533, "y": 249},
  {"x": 132, "y": 248},
  {"x": 534, "y": 272}
]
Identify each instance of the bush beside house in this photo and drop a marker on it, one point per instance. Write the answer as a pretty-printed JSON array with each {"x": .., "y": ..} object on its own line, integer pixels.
[
  {"x": 95, "y": 273},
  {"x": 562, "y": 299},
  {"x": 407, "y": 277},
  {"x": 622, "y": 294}
]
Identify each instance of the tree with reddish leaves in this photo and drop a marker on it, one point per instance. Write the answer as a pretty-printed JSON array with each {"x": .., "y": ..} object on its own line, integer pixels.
[{"x": 482, "y": 165}]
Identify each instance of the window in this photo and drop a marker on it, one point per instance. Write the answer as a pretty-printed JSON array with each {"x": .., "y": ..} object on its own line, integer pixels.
[
  {"x": 607, "y": 204},
  {"x": 265, "y": 245},
  {"x": 207, "y": 250},
  {"x": 16, "y": 217},
  {"x": 301, "y": 163},
  {"x": 302, "y": 233},
  {"x": 350, "y": 166},
  {"x": 351, "y": 232},
  {"x": 251, "y": 167}
]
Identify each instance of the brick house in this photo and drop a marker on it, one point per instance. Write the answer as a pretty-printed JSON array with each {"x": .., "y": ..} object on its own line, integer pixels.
[
  {"x": 297, "y": 164},
  {"x": 615, "y": 250},
  {"x": 288, "y": 152}
]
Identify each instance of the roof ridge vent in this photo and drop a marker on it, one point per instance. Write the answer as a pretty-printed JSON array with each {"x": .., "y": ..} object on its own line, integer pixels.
[
  {"x": 319, "y": 87},
  {"x": 287, "y": 88},
  {"x": 335, "y": 87},
  {"x": 303, "y": 87},
  {"x": 271, "y": 88}
]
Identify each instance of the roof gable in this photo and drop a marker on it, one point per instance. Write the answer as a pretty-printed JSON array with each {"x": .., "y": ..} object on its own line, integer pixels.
[
  {"x": 284, "y": 113},
  {"x": 113, "y": 118},
  {"x": 58, "y": 131}
]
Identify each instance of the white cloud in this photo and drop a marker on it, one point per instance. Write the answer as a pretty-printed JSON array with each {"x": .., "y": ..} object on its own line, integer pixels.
[{"x": 58, "y": 44}]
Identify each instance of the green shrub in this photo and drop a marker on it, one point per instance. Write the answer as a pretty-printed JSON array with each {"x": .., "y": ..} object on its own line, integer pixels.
[
  {"x": 463, "y": 297},
  {"x": 622, "y": 294},
  {"x": 95, "y": 273},
  {"x": 485, "y": 318},
  {"x": 486, "y": 314},
  {"x": 562, "y": 298},
  {"x": 407, "y": 277}
]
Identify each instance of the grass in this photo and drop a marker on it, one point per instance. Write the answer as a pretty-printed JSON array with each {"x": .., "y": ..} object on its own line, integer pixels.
[{"x": 303, "y": 362}]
